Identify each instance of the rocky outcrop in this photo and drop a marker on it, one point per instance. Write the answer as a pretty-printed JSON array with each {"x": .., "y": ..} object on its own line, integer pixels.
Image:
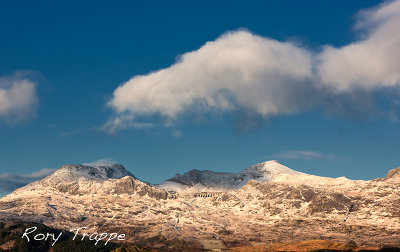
[{"x": 393, "y": 174}]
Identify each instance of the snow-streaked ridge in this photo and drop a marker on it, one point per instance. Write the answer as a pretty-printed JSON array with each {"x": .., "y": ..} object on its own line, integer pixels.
[
  {"x": 269, "y": 171},
  {"x": 196, "y": 180}
]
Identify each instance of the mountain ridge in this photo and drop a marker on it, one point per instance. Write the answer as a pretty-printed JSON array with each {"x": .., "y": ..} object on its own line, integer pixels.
[
  {"x": 268, "y": 171},
  {"x": 198, "y": 180},
  {"x": 226, "y": 180}
]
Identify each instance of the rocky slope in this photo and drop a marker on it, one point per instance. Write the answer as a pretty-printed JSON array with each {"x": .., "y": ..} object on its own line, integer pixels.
[{"x": 263, "y": 204}]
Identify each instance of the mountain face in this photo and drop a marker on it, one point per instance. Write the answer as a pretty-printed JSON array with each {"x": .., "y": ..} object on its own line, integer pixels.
[{"x": 264, "y": 203}]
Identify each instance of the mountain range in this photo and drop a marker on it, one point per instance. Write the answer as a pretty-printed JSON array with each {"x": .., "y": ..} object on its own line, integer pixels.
[{"x": 265, "y": 203}]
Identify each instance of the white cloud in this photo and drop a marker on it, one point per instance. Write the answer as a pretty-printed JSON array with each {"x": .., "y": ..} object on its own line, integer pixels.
[
  {"x": 18, "y": 98},
  {"x": 371, "y": 63},
  {"x": 241, "y": 71},
  {"x": 10, "y": 182},
  {"x": 238, "y": 70},
  {"x": 229, "y": 72},
  {"x": 305, "y": 155}
]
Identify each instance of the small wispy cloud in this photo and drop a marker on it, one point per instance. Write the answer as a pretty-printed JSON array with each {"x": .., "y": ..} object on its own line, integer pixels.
[
  {"x": 123, "y": 122},
  {"x": 102, "y": 162},
  {"x": 304, "y": 155},
  {"x": 70, "y": 133},
  {"x": 10, "y": 181}
]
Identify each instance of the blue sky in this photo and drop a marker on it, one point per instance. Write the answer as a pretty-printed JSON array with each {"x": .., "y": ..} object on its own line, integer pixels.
[{"x": 316, "y": 86}]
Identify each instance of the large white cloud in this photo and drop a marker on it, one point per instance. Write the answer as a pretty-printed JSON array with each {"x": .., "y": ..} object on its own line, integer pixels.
[
  {"x": 238, "y": 69},
  {"x": 18, "y": 98},
  {"x": 241, "y": 71}
]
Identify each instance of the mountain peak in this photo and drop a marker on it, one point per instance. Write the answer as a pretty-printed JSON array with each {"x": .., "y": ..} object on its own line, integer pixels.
[
  {"x": 205, "y": 177},
  {"x": 98, "y": 171},
  {"x": 270, "y": 168},
  {"x": 272, "y": 162}
]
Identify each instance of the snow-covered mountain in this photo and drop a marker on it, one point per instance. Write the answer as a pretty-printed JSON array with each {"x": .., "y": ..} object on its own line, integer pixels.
[
  {"x": 196, "y": 180},
  {"x": 76, "y": 179},
  {"x": 271, "y": 171},
  {"x": 266, "y": 202}
]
